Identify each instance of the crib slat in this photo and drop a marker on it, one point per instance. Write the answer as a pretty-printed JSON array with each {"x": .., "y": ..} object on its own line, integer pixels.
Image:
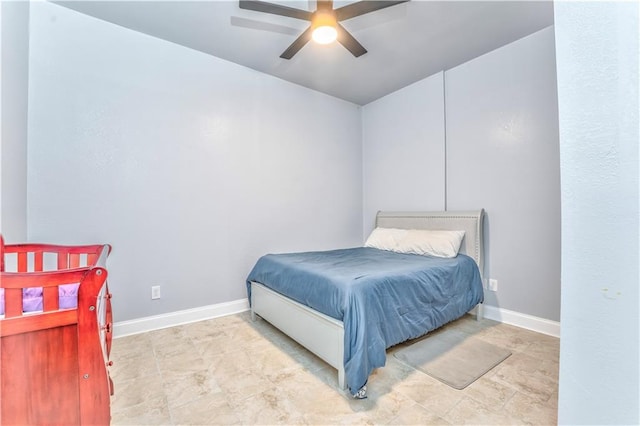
[
  {"x": 62, "y": 260},
  {"x": 12, "y": 302},
  {"x": 74, "y": 260},
  {"x": 22, "y": 262},
  {"x": 51, "y": 301},
  {"x": 38, "y": 262}
]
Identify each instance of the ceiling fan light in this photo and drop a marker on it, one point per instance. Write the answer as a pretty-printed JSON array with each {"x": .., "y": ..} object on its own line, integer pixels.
[
  {"x": 325, "y": 34},
  {"x": 324, "y": 26}
]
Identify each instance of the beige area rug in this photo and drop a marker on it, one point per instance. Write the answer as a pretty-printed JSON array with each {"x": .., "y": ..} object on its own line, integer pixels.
[{"x": 455, "y": 358}]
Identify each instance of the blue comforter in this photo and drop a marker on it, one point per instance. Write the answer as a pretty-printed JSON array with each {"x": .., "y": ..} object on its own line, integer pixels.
[{"x": 383, "y": 298}]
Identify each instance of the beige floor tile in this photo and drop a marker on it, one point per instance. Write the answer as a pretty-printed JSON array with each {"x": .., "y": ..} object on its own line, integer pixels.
[
  {"x": 308, "y": 360},
  {"x": 183, "y": 388},
  {"x": 428, "y": 392},
  {"x": 532, "y": 411},
  {"x": 127, "y": 367},
  {"x": 309, "y": 396},
  {"x": 385, "y": 380},
  {"x": 417, "y": 415},
  {"x": 214, "y": 345},
  {"x": 139, "y": 401},
  {"x": 553, "y": 400},
  {"x": 527, "y": 375},
  {"x": 153, "y": 411},
  {"x": 243, "y": 336},
  {"x": 231, "y": 339},
  {"x": 134, "y": 392},
  {"x": 490, "y": 393},
  {"x": 506, "y": 336},
  {"x": 179, "y": 362},
  {"x": 326, "y": 375},
  {"x": 393, "y": 370},
  {"x": 237, "y": 319},
  {"x": 242, "y": 385},
  {"x": 273, "y": 406},
  {"x": 212, "y": 409},
  {"x": 305, "y": 388},
  {"x": 203, "y": 331},
  {"x": 520, "y": 362},
  {"x": 550, "y": 368},
  {"x": 337, "y": 409},
  {"x": 471, "y": 412},
  {"x": 280, "y": 340},
  {"x": 545, "y": 347},
  {"x": 228, "y": 364},
  {"x": 172, "y": 336},
  {"x": 131, "y": 346},
  {"x": 271, "y": 362}
]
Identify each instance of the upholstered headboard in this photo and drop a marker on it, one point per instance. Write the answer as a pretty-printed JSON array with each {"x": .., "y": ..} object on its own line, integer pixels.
[{"x": 468, "y": 221}]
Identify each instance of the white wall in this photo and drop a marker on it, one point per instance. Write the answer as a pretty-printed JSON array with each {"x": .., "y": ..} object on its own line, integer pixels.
[
  {"x": 598, "y": 55},
  {"x": 191, "y": 166},
  {"x": 403, "y": 150},
  {"x": 14, "y": 36},
  {"x": 501, "y": 154}
]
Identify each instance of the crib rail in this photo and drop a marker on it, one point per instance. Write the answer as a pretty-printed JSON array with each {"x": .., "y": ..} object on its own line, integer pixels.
[
  {"x": 29, "y": 273},
  {"x": 68, "y": 257}
]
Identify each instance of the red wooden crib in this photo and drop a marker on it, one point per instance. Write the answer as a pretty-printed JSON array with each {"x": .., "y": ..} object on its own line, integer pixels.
[{"x": 54, "y": 361}]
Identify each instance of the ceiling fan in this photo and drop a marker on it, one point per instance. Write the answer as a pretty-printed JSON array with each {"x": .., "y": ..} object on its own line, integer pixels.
[{"x": 325, "y": 22}]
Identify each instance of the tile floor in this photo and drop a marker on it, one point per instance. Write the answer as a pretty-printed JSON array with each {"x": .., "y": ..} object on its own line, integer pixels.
[{"x": 231, "y": 370}]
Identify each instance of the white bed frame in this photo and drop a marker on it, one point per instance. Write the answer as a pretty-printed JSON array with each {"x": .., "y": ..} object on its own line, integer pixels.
[{"x": 323, "y": 335}]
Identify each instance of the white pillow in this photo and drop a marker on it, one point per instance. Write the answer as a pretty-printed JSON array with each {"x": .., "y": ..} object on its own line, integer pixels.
[
  {"x": 385, "y": 238},
  {"x": 417, "y": 241},
  {"x": 431, "y": 243}
]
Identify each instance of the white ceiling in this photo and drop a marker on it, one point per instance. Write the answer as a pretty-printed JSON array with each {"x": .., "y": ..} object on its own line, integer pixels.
[{"x": 406, "y": 42}]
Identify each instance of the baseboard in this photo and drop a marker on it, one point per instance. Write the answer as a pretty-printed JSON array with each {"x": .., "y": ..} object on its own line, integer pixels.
[
  {"x": 540, "y": 325},
  {"x": 172, "y": 319}
]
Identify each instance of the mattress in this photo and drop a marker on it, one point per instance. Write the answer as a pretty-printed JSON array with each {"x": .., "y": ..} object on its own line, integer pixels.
[{"x": 383, "y": 298}]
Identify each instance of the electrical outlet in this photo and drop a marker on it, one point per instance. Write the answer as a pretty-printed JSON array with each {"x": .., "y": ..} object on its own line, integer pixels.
[
  {"x": 493, "y": 285},
  {"x": 485, "y": 283},
  {"x": 155, "y": 292}
]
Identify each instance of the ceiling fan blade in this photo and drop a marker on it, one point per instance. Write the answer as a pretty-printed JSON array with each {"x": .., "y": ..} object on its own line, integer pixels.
[
  {"x": 252, "y": 24},
  {"x": 360, "y": 8},
  {"x": 348, "y": 41},
  {"x": 297, "y": 44},
  {"x": 275, "y": 9}
]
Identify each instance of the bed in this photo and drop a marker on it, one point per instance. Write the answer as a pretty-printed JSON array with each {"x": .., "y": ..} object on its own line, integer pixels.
[
  {"x": 350, "y": 330},
  {"x": 55, "y": 334}
]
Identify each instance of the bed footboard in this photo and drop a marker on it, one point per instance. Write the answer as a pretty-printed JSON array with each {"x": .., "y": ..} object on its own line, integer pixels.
[{"x": 321, "y": 334}]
